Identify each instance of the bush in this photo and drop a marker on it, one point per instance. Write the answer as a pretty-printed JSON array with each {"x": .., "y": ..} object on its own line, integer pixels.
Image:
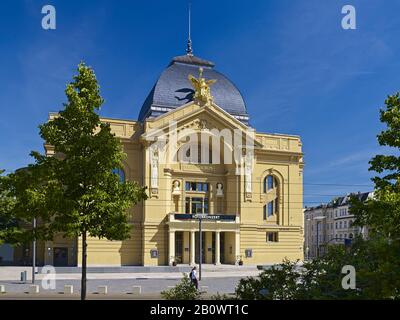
[
  {"x": 376, "y": 263},
  {"x": 219, "y": 296},
  {"x": 184, "y": 290}
]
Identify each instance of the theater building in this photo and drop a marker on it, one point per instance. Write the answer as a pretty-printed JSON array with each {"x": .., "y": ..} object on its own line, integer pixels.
[{"x": 250, "y": 207}]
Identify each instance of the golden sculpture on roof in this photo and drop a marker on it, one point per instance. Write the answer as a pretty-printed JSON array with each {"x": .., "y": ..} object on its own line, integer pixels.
[{"x": 202, "y": 88}]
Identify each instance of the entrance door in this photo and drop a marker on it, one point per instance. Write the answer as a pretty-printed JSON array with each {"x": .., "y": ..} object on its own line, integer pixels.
[
  {"x": 203, "y": 244},
  {"x": 222, "y": 245},
  {"x": 213, "y": 247},
  {"x": 60, "y": 257},
  {"x": 179, "y": 246}
]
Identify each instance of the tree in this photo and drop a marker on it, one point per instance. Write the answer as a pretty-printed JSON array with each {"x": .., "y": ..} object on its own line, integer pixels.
[
  {"x": 376, "y": 260},
  {"x": 6, "y": 204},
  {"x": 75, "y": 192},
  {"x": 22, "y": 195},
  {"x": 382, "y": 214}
]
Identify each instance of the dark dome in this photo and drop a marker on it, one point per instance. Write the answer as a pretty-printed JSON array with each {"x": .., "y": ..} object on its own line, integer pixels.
[{"x": 173, "y": 89}]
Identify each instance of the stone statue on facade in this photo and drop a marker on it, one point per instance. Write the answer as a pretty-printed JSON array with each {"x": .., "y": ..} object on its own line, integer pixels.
[
  {"x": 154, "y": 168},
  {"x": 248, "y": 170}
]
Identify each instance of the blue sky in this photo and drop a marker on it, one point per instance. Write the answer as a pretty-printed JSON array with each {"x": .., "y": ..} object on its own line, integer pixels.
[{"x": 298, "y": 70}]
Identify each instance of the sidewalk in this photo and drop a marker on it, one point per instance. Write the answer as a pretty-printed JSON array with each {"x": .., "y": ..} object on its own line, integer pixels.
[{"x": 74, "y": 273}]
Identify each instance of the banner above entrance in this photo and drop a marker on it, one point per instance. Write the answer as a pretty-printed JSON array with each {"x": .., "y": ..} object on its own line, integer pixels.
[{"x": 222, "y": 217}]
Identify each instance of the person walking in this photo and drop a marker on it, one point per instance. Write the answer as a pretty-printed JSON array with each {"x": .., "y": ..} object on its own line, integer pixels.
[{"x": 193, "y": 278}]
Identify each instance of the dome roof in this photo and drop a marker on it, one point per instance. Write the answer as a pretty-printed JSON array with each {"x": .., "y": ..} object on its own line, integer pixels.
[{"x": 173, "y": 89}]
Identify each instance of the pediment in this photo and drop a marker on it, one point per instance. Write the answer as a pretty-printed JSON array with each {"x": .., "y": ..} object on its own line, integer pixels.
[{"x": 195, "y": 117}]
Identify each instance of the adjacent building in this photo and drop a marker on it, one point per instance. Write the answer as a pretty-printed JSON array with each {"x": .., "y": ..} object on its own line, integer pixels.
[{"x": 331, "y": 223}]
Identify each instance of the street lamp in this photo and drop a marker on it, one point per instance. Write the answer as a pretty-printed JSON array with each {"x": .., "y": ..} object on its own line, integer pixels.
[
  {"x": 200, "y": 248},
  {"x": 34, "y": 251},
  {"x": 318, "y": 219},
  {"x": 26, "y": 170}
]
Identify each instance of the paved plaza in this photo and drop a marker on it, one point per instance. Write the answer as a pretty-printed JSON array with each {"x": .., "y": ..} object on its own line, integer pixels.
[{"x": 119, "y": 282}]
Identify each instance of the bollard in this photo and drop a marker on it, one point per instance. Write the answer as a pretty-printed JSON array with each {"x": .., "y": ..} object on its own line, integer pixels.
[
  {"x": 136, "y": 290},
  {"x": 34, "y": 288},
  {"x": 102, "y": 289},
  {"x": 68, "y": 289},
  {"x": 23, "y": 276},
  {"x": 2, "y": 289}
]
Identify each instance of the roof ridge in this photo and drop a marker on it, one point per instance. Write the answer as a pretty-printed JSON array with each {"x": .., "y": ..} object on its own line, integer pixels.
[{"x": 191, "y": 59}]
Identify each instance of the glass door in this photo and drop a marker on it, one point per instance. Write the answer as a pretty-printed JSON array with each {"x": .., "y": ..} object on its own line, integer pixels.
[{"x": 179, "y": 246}]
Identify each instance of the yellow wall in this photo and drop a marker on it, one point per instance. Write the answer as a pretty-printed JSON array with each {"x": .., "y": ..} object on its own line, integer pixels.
[{"x": 279, "y": 155}]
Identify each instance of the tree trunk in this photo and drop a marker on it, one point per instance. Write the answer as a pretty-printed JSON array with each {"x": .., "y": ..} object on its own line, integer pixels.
[{"x": 84, "y": 258}]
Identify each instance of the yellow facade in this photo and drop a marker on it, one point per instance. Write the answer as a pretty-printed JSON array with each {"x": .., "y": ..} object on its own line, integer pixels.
[
  {"x": 154, "y": 223},
  {"x": 253, "y": 205}
]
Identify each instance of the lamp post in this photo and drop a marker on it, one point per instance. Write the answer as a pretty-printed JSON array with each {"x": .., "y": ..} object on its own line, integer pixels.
[
  {"x": 318, "y": 219},
  {"x": 34, "y": 251},
  {"x": 200, "y": 248},
  {"x": 26, "y": 170}
]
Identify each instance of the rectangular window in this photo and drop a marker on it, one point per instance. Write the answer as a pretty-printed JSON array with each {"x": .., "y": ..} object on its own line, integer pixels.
[
  {"x": 206, "y": 205},
  {"x": 197, "y": 205},
  {"x": 187, "y": 205},
  {"x": 196, "y": 186},
  {"x": 272, "y": 236}
]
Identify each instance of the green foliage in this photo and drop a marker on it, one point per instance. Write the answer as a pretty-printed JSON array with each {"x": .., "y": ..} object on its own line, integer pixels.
[
  {"x": 389, "y": 165},
  {"x": 219, "y": 296},
  {"x": 89, "y": 197},
  {"x": 376, "y": 260},
  {"x": 7, "y": 222},
  {"x": 22, "y": 198},
  {"x": 184, "y": 290},
  {"x": 382, "y": 214},
  {"x": 74, "y": 192},
  {"x": 376, "y": 264}
]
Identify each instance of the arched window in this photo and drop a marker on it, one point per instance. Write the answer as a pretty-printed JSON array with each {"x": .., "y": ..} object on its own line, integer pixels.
[
  {"x": 200, "y": 155},
  {"x": 269, "y": 183},
  {"x": 120, "y": 173}
]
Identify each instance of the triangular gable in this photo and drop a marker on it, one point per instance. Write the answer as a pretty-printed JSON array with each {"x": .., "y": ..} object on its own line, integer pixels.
[{"x": 156, "y": 126}]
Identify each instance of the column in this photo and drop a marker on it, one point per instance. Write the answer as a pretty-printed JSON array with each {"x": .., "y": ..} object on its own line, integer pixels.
[
  {"x": 237, "y": 245},
  {"x": 217, "y": 248},
  {"x": 192, "y": 247},
  {"x": 171, "y": 246}
]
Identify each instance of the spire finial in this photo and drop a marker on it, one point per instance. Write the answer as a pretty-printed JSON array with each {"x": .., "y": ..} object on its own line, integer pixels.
[{"x": 189, "y": 50}]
